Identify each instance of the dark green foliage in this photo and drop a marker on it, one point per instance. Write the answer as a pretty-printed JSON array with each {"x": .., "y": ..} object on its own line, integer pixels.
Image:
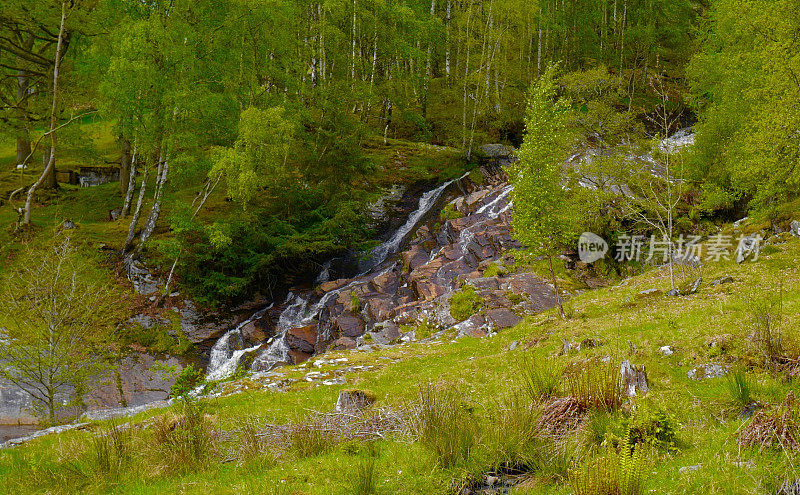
[{"x": 187, "y": 380}]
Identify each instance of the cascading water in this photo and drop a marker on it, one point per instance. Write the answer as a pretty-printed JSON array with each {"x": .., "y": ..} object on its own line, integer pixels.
[
  {"x": 426, "y": 202},
  {"x": 228, "y": 350},
  {"x": 299, "y": 311}
]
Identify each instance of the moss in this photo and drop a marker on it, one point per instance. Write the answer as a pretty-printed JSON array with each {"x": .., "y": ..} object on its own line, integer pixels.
[
  {"x": 449, "y": 212},
  {"x": 465, "y": 303},
  {"x": 495, "y": 269}
]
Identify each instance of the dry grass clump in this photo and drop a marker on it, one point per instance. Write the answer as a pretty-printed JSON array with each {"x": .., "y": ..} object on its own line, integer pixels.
[
  {"x": 186, "y": 439},
  {"x": 561, "y": 416},
  {"x": 774, "y": 427},
  {"x": 595, "y": 385},
  {"x": 322, "y": 431}
]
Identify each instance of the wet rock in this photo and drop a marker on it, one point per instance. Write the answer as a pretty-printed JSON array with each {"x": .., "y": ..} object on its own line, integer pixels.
[
  {"x": 633, "y": 378},
  {"x": 386, "y": 283},
  {"x": 385, "y": 333},
  {"x": 704, "y": 371},
  {"x": 502, "y": 318},
  {"x": 332, "y": 285},
  {"x": 414, "y": 257},
  {"x": 302, "y": 339},
  {"x": 199, "y": 327},
  {"x": 354, "y": 401},
  {"x": 255, "y": 331}
]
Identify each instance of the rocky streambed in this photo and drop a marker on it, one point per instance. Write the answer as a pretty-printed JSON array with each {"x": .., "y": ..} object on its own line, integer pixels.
[{"x": 405, "y": 288}]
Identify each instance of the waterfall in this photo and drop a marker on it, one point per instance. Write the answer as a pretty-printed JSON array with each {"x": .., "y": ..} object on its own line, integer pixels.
[
  {"x": 229, "y": 350},
  {"x": 426, "y": 202}
]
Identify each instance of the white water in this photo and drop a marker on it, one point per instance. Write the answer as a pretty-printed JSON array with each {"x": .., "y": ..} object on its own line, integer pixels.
[
  {"x": 227, "y": 351},
  {"x": 426, "y": 202},
  {"x": 299, "y": 312}
]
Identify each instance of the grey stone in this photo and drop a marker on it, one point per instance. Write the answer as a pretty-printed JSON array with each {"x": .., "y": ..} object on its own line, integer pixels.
[
  {"x": 748, "y": 246},
  {"x": 513, "y": 345},
  {"x": 722, "y": 280},
  {"x": 666, "y": 350},
  {"x": 794, "y": 228},
  {"x": 704, "y": 371},
  {"x": 633, "y": 378},
  {"x": 688, "y": 469}
]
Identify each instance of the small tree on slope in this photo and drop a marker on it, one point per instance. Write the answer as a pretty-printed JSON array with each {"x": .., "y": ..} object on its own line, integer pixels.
[{"x": 544, "y": 210}]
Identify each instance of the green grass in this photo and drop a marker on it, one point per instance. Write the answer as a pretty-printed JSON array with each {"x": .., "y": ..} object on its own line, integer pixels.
[{"x": 484, "y": 374}]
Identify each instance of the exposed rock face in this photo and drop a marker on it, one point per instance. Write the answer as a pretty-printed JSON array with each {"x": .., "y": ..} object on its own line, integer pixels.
[{"x": 414, "y": 287}]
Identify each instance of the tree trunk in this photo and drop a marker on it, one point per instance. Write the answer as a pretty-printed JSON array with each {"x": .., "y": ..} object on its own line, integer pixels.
[
  {"x": 125, "y": 165},
  {"x": 126, "y": 205},
  {"x": 155, "y": 210},
  {"x": 555, "y": 287},
  {"x": 136, "y": 213},
  {"x": 49, "y": 169}
]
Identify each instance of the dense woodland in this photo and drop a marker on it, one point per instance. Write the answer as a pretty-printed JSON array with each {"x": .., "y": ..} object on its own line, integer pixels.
[{"x": 279, "y": 103}]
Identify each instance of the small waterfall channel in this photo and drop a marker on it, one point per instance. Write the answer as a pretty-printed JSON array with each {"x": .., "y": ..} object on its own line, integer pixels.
[{"x": 229, "y": 350}]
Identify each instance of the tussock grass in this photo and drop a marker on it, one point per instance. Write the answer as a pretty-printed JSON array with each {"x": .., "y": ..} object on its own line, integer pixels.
[
  {"x": 595, "y": 385},
  {"x": 446, "y": 424}
]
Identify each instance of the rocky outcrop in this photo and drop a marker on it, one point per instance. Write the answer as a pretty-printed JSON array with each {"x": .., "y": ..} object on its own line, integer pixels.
[{"x": 412, "y": 288}]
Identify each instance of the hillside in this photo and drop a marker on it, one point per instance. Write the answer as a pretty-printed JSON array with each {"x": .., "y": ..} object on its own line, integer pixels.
[{"x": 688, "y": 431}]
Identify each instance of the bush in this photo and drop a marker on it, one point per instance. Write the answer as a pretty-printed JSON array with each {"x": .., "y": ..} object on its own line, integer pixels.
[
  {"x": 446, "y": 425},
  {"x": 648, "y": 424},
  {"x": 449, "y": 212},
  {"x": 495, "y": 269},
  {"x": 186, "y": 440},
  {"x": 465, "y": 303},
  {"x": 187, "y": 380}
]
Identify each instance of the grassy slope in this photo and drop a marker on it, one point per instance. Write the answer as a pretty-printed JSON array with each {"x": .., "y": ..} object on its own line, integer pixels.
[{"x": 486, "y": 369}]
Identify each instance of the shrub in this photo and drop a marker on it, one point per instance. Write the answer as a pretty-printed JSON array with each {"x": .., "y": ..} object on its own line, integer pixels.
[
  {"x": 465, "y": 303},
  {"x": 495, "y": 269},
  {"x": 446, "y": 425},
  {"x": 355, "y": 303},
  {"x": 595, "y": 385},
  {"x": 540, "y": 379},
  {"x": 648, "y": 424},
  {"x": 187, "y": 380}
]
